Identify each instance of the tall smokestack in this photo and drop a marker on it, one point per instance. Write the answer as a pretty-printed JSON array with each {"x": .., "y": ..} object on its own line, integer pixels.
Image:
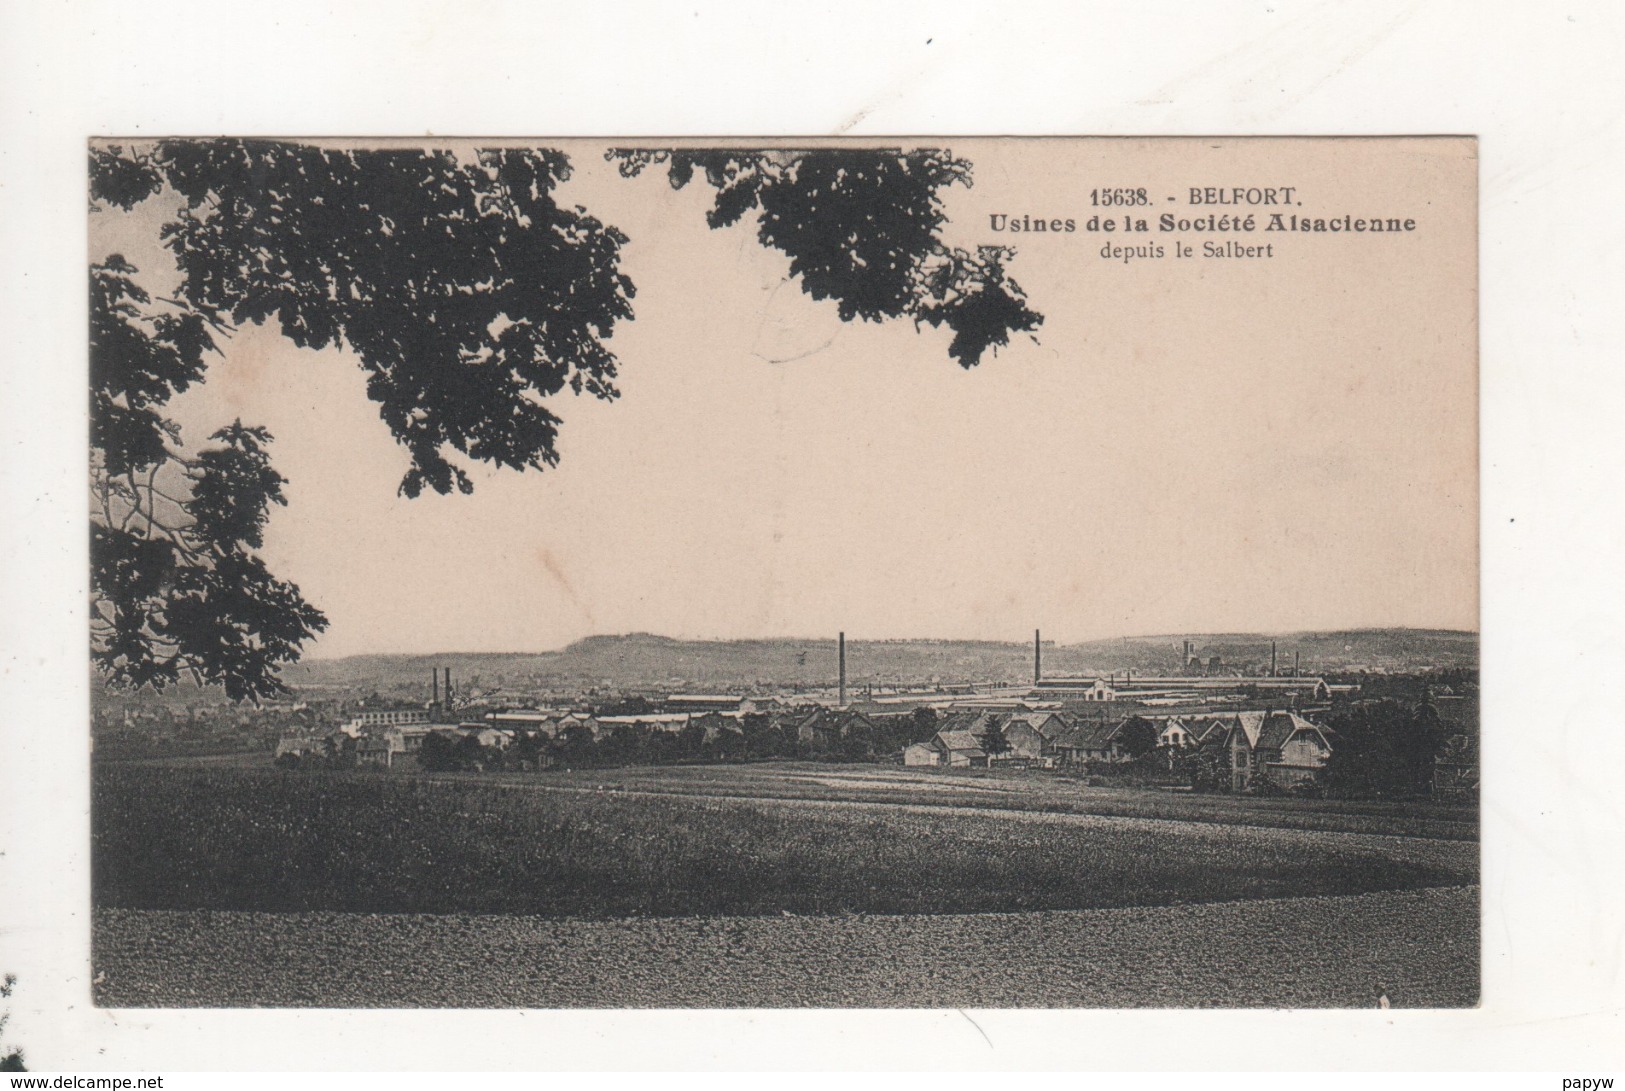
[
  {"x": 1038, "y": 658},
  {"x": 1272, "y": 659},
  {"x": 841, "y": 651},
  {"x": 448, "y": 687},
  {"x": 1294, "y": 664},
  {"x": 434, "y": 681}
]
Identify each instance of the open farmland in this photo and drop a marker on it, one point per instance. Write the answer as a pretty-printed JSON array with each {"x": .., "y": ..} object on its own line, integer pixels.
[
  {"x": 1027, "y": 791},
  {"x": 1294, "y": 953},
  {"x": 1016, "y": 790},
  {"x": 269, "y": 840},
  {"x": 242, "y": 886}
]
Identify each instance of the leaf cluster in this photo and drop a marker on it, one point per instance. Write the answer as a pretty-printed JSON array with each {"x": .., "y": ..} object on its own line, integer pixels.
[
  {"x": 176, "y": 583},
  {"x": 862, "y": 227},
  {"x": 139, "y": 359},
  {"x": 467, "y": 292}
]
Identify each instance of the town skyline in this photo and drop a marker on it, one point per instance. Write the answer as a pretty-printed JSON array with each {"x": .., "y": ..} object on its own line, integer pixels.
[{"x": 860, "y": 638}]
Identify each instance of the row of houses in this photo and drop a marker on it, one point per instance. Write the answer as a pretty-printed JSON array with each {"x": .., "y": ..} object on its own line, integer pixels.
[{"x": 1283, "y": 746}]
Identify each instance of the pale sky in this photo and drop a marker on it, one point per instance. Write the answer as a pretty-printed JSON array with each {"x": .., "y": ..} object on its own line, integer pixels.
[{"x": 1193, "y": 446}]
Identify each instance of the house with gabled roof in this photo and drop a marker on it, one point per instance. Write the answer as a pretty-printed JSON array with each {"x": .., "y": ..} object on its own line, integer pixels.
[
  {"x": 375, "y": 750},
  {"x": 847, "y": 733},
  {"x": 923, "y": 753},
  {"x": 959, "y": 749},
  {"x": 1175, "y": 734},
  {"x": 497, "y": 738},
  {"x": 822, "y": 730},
  {"x": 715, "y": 724},
  {"x": 1203, "y": 730},
  {"x": 1281, "y": 746},
  {"x": 976, "y": 723},
  {"x": 1051, "y": 725},
  {"x": 1090, "y": 740},
  {"x": 301, "y": 747},
  {"x": 852, "y": 721},
  {"x": 1027, "y": 744}
]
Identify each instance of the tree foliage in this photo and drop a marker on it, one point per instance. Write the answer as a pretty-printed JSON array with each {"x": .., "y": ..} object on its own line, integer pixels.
[
  {"x": 1137, "y": 737},
  {"x": 921, "y": 725},
  {"x": 177, "y": 585},
  {"x": 139, "y": 359},
  {"x": 175, "y": 580},
  {"x": 1383, "y": 748},
  {"x": 469, "y": 295},
  {"x": 465, "y": 291},
  {"x": 438, "y": 753},
  {"x": 862, "y": 227},
  {"x": 994, "y": 741},
  {"x": 1206, "y": 767}
]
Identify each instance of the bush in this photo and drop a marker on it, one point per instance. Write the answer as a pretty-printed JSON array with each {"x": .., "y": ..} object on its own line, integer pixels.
[
  {"x": 438, "y": 754},
  {"x": 1148, "y": 770},
  {"x": 1263, "y": 786}
]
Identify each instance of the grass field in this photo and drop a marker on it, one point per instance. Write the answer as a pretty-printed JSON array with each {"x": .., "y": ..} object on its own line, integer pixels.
[
  {"x": 271, "y": 840},
  {"x": 1027, "y": 791},
  {"x": 973, "y": 788}
]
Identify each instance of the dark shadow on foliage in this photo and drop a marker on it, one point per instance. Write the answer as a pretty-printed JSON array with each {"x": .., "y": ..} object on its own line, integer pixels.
[
  {"x": 467, "y": 293},
  {"x": 861, "y": 227},
  {"x": 1385, "y": 749}
]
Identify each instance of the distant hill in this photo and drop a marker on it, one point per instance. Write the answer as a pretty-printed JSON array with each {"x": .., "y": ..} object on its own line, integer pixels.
[{"x": 641, "y": 661}]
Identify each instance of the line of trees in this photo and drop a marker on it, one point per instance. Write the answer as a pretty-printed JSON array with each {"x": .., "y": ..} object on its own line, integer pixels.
[
  {"x": 1381, "y": 749},
  {"x": 759, "y": 737}
]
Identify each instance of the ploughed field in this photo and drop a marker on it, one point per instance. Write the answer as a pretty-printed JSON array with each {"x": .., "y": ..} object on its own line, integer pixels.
[
  {"x": 1422, "y": 945},
  {"x": 811, "y": 885}
]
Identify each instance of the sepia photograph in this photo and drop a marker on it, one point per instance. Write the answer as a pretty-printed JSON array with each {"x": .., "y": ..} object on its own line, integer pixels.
[
  {"x": 569, "y": 541},
  {"x": 904, "y": 573}
]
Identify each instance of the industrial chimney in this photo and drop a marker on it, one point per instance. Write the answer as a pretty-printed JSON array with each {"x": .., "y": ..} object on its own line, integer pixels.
[
  {"x": 841, "y": 651},
  {"x": 1272, "y": 659},
  {"x": 434, "y": 682},
  {"x": 1038, "y": 658},
  {"x": 1295, "y": 664},
  {"x": 448, "y": 687}
]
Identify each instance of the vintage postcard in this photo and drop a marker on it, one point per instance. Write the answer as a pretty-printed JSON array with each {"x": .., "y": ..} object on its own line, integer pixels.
[{"x": 874, "y": 573}]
